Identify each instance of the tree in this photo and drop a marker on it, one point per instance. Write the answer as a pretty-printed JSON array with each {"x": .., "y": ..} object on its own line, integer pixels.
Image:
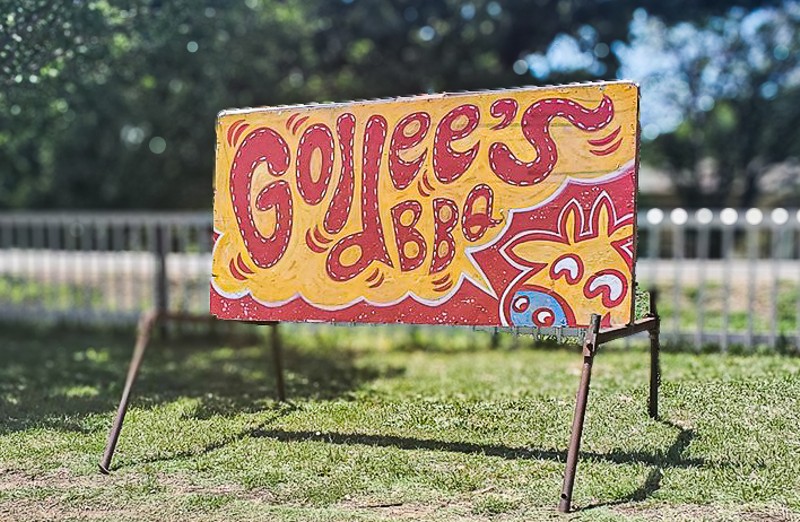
[
  {"x": 111, "y": 103},
  {"x": 720, "y": 100},
  {"x": 127, "y": 119}
]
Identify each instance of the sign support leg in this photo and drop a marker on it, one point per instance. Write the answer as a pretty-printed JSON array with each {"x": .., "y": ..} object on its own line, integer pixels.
[
  {"x": 145, "y": 327},
  {"x": 655, "y": 363},
  {"x": 277, "y": 360},
  {"x": 589, "y": 348},
  {"x": 594, "y": 338}
]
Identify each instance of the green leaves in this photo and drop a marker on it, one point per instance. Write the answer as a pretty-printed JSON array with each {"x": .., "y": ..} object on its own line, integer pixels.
[{"x": 75, "y": 75}]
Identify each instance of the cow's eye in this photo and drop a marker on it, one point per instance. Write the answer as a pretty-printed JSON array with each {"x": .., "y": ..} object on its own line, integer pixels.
[
  {"x": 610, "y": 284},
  {"x": 544, "y": 317},
  {"x": 521, "y": 303},
  {"x": 568, "y": 266}
]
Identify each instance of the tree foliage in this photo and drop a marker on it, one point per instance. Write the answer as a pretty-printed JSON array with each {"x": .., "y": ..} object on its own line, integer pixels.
[
  {"x": 720, "y": 99},
  {"x": 111, "y": 104}
]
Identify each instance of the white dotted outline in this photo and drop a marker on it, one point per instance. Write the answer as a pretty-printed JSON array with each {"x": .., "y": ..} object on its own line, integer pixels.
[
  {"x": 471, "y": 197},
  {"x": 397, "y": 213},
  {"x": 365, "y": 223},
  {"x": 416, "y": 139},
  {"x": 458, "y": 135},
  {"x": 367, "y": 137},
  {"x": 247, "y": 209},
  {"x": 438, "y": 204},
  {"x": 497, "y": 148},
  {"x": 497, "y": 110},
  {"x": 348, "y": 169},
  {"x": 325, "y": 177}
]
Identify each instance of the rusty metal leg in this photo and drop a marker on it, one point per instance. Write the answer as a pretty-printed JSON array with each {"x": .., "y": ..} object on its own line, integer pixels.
[
  {"x": 277, "y": 360},
  {"x": 655, "y": 363},
  {"x": 655, "y": 374},
  {"x": 494, "y": 344},
  {"x": 145, "y": 327},
  {"x": 589, "y": 348}
]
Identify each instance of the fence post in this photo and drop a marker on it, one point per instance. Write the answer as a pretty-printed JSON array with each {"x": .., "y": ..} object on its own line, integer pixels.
[{"x": 161, "y": 281}]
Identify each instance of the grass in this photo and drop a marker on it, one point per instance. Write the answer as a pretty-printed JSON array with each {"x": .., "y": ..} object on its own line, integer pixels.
[
  {"x": 16, "y": 291},
  {"x": 379, "y": 429},
  {"x": 713, "y": 297}
]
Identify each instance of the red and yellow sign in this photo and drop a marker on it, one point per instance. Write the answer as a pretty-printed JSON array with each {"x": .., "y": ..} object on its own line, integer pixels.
[{"x": 503, "y": 208}]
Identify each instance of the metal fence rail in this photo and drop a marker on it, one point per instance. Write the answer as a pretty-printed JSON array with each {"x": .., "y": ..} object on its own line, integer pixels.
[
  {"x": 103, "y": 267},
  {"x": 726, "y": 277}
]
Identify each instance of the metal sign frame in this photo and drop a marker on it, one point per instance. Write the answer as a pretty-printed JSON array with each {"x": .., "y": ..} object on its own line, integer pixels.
[{"x": 590, "y": 337}]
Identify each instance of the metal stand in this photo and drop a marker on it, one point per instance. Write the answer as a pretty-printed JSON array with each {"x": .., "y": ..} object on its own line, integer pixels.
[
  {"x": 277, "y": 360},
  {"x": 594, "y": 338},
  {"x": 147, "y": 323},
  {"x": 655, "y": 363},
  {"x": 589, "y": 347}
]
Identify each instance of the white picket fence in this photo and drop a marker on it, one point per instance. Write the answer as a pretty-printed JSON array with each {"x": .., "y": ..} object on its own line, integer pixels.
[{"x": 725, "y": 277}]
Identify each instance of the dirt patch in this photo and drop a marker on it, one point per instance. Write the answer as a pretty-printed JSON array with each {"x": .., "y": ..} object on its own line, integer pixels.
[
  {"x": 65, "y": 479},
  {"x": 61, "y": 478},
  {"x": 779, "y": 514},
  {"x": 63, "y": 495},
  {"x": 33, "y": 511},
  {"x": 699, "y": 512},
  {"x": 400, "y": 511},
  {"x": 457, "y": 510},
  {"x": 11, "y": 479}
]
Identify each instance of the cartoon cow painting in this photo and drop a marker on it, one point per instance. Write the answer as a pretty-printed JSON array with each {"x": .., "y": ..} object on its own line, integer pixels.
[{"x": 569, "y": 273}]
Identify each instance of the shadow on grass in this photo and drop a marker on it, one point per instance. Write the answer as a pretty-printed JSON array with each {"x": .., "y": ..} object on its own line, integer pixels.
[
  {"x": 672, "y": 458},
  {"x": 72, "y": 380},
  {"x": 60, "y": 379},
  {"x": 278, "y": 411},
  {"x": 652, "y": 483}
]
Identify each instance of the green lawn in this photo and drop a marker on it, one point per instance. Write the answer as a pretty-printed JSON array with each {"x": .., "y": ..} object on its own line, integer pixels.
[{"x": 389, "y": 425}]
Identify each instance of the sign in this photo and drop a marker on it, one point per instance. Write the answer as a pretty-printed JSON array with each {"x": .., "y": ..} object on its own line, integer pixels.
[{"x": 503, "y": 208}]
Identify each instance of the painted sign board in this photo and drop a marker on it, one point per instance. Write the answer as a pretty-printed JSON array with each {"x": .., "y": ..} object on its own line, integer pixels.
[{"x": 504, "y": 208}]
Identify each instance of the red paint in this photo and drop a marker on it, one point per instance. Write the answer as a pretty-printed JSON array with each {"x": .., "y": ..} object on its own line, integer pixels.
[
  {"x": 339, "y": 209},
  {"x": 536, "y": 129},
  {"x": 316, "y": 139},
  {"x": 457, "y": 201},
  {"x": 370, "y": 241},
  {"x": 469, "y": 304},
  {"x": 445, "y": 214},
  {"x": 408, "y": 234},
  {"x": 262, "y": 146},
  {"x": 474, "y": 224},
  {"x": 403, "y": 172},
  {"x": 448, "y": 164},
  {"x": 506, "y": 109}
]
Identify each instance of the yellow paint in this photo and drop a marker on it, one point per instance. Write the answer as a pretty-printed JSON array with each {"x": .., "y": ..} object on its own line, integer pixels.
[
  {"x": 596, "y": 255},
  {"x": 301, "y": 270}
]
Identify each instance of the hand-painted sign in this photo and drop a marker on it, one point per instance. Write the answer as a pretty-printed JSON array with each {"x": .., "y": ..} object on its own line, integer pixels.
[{"x": 504, "y": 208}]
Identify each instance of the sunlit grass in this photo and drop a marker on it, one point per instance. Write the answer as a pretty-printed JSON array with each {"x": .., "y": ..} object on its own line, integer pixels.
[{"x": 389, "y": 424}]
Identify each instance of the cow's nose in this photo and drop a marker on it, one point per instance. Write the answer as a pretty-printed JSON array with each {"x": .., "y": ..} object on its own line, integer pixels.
[{"x": 536, "y": 308}]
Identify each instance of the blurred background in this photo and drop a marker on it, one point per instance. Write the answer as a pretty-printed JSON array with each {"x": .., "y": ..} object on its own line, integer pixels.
[{"x": 107, "y": 115}]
